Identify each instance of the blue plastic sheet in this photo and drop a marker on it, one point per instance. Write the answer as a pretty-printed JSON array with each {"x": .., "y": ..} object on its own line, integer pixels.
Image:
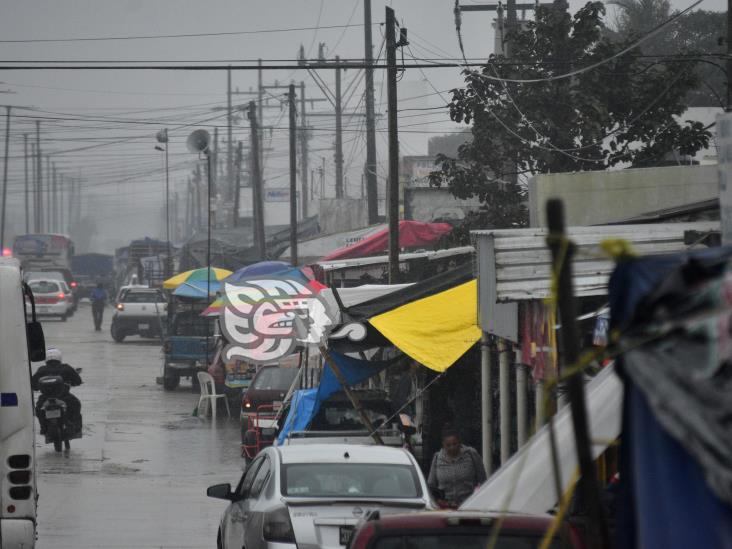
[
  {"x": 306, "y": 403},
  {"x": 663, "y": 500}
]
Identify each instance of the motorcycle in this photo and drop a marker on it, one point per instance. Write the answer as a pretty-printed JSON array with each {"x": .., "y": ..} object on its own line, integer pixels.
[{"x": 59, "y": 429}]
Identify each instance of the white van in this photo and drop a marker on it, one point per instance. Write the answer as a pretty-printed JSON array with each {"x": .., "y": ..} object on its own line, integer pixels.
[{"x": 17, "y": 454}]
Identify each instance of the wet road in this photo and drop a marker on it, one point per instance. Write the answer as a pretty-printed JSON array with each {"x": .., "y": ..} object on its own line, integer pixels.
[{"x": 138, "y": 477}]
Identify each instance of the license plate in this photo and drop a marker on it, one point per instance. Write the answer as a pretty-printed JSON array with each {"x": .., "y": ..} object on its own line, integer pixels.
[
  {"x": 143, "y": 326},
  {"x": 53, "y": 414},
  {"x": 42, "y": 309},
  {"x": 345, "y": 533}
]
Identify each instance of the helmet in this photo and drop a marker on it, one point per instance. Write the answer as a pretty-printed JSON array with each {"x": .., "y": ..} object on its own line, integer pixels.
[{"x": 53, "y": 354}]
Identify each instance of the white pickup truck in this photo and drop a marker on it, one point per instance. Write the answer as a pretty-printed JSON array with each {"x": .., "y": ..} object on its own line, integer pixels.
[{"x": 139, "y": 310}]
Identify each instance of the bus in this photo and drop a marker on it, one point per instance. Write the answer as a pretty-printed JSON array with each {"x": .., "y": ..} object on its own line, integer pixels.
[
  {"x": 17, "y": 450},
  {"x": 43, "y": 252}
]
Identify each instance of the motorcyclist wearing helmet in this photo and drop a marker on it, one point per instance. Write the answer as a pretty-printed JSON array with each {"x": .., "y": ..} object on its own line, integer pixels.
[{"x": 55, "y": 367}]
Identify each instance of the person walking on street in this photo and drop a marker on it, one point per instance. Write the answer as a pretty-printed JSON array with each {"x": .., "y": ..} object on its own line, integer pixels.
[
  {"x": 98, "y": 300},
  {"x": 456, "y": 471}
]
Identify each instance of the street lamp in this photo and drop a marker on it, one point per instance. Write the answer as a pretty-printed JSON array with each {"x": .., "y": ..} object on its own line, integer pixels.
[{"x": 162, "y": 137}]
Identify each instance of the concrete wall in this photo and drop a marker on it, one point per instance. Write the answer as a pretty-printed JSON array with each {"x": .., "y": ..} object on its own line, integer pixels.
[
  {"x": 342, "y": 214},
  {"x": 431, "y": 203},
  {"x": 592, "y": 198}
]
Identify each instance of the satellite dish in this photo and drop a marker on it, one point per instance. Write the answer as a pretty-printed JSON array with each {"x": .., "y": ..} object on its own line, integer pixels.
[{"x": 198, "y": 141}]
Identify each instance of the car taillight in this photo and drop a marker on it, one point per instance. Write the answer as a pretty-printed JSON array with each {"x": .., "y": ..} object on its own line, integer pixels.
[
  {"x": 246, "y": 405},
  {"x": 120, "y": 306},
  {"x": 61, "y": 296},
  {"x": 362, "y": 536},
  {"x": 73, "y": 284},
  {"x": 277, "y": 526}
]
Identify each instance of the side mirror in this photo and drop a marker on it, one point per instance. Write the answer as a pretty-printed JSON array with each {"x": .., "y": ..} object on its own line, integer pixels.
[
  {"x": 220, "y": 491},
  {"x": 78, "y": 370},
  {"x": 36, "y": 341}
]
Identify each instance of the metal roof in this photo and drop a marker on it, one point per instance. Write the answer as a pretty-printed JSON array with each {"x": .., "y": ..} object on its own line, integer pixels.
[
  {"x": 431, "y": 255},
  {"x": 517, "y": 262},
  {"x": 514, "y": 264}
]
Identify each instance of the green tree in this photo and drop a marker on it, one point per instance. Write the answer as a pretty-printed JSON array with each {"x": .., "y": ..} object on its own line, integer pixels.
[
  {"x": 623, "y": 112},
  {"x": 697, "y": 33}
]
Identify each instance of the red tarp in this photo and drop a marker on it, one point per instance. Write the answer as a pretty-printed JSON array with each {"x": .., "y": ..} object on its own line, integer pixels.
[{"x": 411, "y": 235}]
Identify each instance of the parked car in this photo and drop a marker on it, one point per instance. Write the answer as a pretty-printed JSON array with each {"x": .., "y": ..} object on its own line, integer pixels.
[
  {"x": 57, "y": 274},
  {"x": 138, "y": 311},
  {"x": 337, "y": 420},
  {"x": 51, "y": 298},
  {"x": 315, "y": 495},
  {"x": 458, "y": 529},
  {"x": 260, "y": 406}
]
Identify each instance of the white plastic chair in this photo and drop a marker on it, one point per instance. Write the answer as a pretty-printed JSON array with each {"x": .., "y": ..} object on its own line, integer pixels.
[{"x": 209, "y": 396}]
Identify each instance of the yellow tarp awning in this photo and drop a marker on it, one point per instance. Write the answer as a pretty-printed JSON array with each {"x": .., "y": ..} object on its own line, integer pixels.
[{"x": 437, "y": 330}]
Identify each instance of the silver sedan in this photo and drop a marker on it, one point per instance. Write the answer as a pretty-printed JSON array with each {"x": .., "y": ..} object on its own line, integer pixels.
[{"x": 310, "y": 496}]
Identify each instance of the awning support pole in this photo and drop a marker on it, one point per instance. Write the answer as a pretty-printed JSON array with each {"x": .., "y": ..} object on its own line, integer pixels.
[
  {"x": 521, "y": 403},
  {"x": 486, "y": 410},
  {"x": 505, "y": 399},
  {"x": 328, "y": 360},
  {"x": 562, "y": 254}
]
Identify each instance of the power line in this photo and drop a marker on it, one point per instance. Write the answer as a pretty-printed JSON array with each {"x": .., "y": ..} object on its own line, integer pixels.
[{"x": 165, "y": 36}]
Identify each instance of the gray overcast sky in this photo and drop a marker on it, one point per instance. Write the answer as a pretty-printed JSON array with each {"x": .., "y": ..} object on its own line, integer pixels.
[{"x": 123, "y": 179}]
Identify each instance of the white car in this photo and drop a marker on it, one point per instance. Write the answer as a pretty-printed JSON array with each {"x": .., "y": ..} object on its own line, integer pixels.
[
  {"x": 52, "y": 298},
  {"x": 314, "y": 495}
]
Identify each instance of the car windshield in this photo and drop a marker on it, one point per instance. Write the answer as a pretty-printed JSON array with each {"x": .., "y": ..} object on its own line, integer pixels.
[
  {"x": 440, "y": 540},
  {"x": 143, "y": 297},
  {"x": 274, "y": 379},
  {"x": 350, "y": 480},
  {"x": 341, "y": 416},
  {"x": 44, "y": 287}
]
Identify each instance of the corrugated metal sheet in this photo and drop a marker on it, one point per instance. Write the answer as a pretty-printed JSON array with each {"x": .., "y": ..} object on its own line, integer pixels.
[{"x": 514, "y": 264}]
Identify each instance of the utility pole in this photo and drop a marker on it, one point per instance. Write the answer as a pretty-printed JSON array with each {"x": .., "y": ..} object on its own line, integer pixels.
[
  {"x": 53, "y": 196},
  {"x": 729, "y": 56},
  {"x": 229, "y": 195},
  {"x": 49, "y": 191},
  {"x": 5, "y": 178},
  {"x": 39, "y": 175},
  {"x": 304, "y": 153},
  {"x": 72, "y": 197},
  {"x": 213, "y": 169},
  {"x": 338, "y": 131},
  {"x": 25, "y": 180},
  {"x": 34, "y": 183},
  {"x": 293, "y": 174},
  {"x": 260, "y": 119},
  {"x": 393, "y": 184},
  {"x": 371, "y": 181},
  {"x": 237, "y": 183},
  {"x": 199, "y": 221},
  {"x": 256, "y": 176},
  {"x": 61, "y": 224}
]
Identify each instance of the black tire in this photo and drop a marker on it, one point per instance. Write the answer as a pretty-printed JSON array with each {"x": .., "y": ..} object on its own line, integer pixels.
[
  {"x": 171, "y": 379},
  {"x": 64, "y": 317},
  {"x": 219, "y": 543},
  {"x": 67, "y": 444},
  {"x": 54, "y": 433},
  {"x": 117, "y": 335}
]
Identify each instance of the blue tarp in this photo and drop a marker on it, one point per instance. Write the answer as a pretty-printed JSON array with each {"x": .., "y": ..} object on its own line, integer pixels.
[
  {"x": 663, "y": 500},
  {"x": 197, "y": 289},
  {"x": 306, "y": 403}
]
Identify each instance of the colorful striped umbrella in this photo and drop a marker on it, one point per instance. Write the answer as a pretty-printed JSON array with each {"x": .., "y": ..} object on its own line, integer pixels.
[{"x": 216, "y": 274}]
